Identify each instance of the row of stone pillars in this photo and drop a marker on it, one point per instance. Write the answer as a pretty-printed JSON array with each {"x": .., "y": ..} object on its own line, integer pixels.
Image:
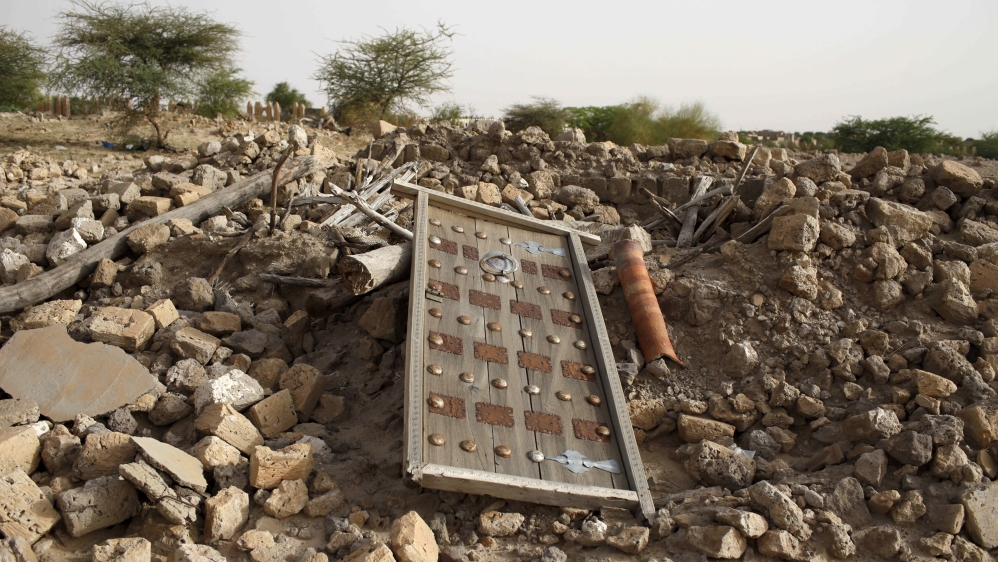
[
  {"x": 271, "y": 111},
  {"x": 56, "y": 105}
]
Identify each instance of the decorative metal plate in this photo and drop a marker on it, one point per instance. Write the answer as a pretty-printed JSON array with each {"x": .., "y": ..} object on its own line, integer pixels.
[
  {"x": 543, "y": 423},
  {"x": 491, "y": 353},
  {"x": 493, "y": 414},
  {"x": 445, "y": 245},
  {"x": 554, "y": 272},
  {"x": 585, "y": 429},
  {"x": 470, "y": 252},
  {"x": 534, "y": 362},
  {"x": 564, "y": 318},
  {"x": 528, "y": 267},
  {"x": 450, "y": 344},
  {"x": 452, "y": 292},
  {"x": 526, "y": 309},
  {"x": 486, "y": 300},
  {"x": 453, "y": 406},
  {"x": 574, "y": 370},
  {"x": 536, "y": 248}
]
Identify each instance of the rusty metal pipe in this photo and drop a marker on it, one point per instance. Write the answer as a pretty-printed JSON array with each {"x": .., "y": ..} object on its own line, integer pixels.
[{"x": 649, "y": 324}]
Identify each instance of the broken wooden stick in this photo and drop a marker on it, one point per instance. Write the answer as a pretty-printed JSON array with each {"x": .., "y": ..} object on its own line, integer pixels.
[
  {"x": 79, "y": 266},
  {"x": 273, "y": 186},
  {"x": 260, "y": 225},
  {"x": 363, "y": 273},
  {"x": 522, "y": 206},
  {"x": 363, "y": 207},
  {"x": 685, "y": 238},
  {"x": 295, "y": 281}
]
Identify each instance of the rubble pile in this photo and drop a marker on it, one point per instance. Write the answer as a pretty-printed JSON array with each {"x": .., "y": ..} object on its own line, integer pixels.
[{"x": 838, "y": 400}]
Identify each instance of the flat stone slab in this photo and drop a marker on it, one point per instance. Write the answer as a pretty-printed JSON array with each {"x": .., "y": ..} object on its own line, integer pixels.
[
  {"x": 185, "y": 469},
  {"x": 67, "y": 378}
]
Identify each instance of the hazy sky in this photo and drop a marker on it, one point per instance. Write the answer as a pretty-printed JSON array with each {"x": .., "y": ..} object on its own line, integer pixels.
[{"x": 794, "y": 66}]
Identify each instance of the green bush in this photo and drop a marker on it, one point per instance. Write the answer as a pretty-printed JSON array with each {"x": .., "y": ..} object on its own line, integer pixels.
[
  {"x": 644, "y": 121},
  {"x": 22, "y": 68},
  {"x": 545, "y": 113},
  {"x": 447, "y": 111},
  {"x": 223, "y": 93},
  {"x": 916, "y": 134},
  {"x": 287, "y": 96},
  {"x": 987, "y": 147}
]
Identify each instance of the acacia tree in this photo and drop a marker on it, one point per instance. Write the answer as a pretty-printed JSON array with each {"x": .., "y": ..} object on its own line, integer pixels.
[
  {"x": 387, "y": 72},
  {"x": 222, "y": 93},
  {"x": 140, "y": 54},
  {"x": 22, "y": 68}
]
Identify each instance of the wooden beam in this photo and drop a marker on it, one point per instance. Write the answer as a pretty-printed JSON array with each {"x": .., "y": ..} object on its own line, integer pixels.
[
  {"x": 79, "y": 266},
  {"x": 633, "y": 466},
  {"x": 493, "y": 214},
  {"x": 413, "y": 462},
  {"x": 546, "y": 492}
]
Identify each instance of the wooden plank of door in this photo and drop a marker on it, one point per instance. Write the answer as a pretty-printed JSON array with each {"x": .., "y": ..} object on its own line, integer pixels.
[
  {"x": 517, "y": 438},
  {"x": 449, "y": 256},
  {"x": 540, "y": 271},
  {"x": 414, "y": 366},
  {"x": 633, "y": 465}
]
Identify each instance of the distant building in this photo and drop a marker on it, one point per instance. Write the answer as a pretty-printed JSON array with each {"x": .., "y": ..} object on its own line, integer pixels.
[{"x": 779, "y": 138}]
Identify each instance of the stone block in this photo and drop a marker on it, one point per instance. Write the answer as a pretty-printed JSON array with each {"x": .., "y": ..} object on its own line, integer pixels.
[
  {"x": 288, "y": 499},
  {"x": 191, "y": 343},
  {"x": 268, "y": 371},
  {"x": 102, "y": 453},
  {"x": 212, "y": 452},
  {"x": 168, "y": 503},
  {"x": 268, "y": 467},
  {"x": 100, "y": 503},
  {"x": 682, "y": 149},
  {"x": 234, "y": 387},
  {"x": 321, "y": 505},
  {"x": 488, "y": 194},
  {"x": 796, "y": 233},
  {"x": 306, "y": 384},
  {"x": 717, "y": 541},
  {"x": 499, "y": 524},
  {"x": 25, "y": 511},
  {"x": 14, "y": 411},
  {"x": 126, "y": 328},
  {"x": 693, "y": 429},
  {"x": 274, "y": 414},
  {"x": 183, "y": 468},
  {"x": 104, "y": 274},
  {"x": 962, "y": 180},
  {"x": 147, "y": 237},
  {"x": 63, "y": 246},
  {"x": 331, "y": 408},
  {"x": 412, "y": 539},
  {"x": 981, "y": 505},
  {"x": 370, "y": 552},
  {"x": 151, "y": 206},
  {"x": 163, "y": 312},
  {"x": 21, "y": 450},
  {"x": 134, "y": 549},
  {"x": 225, "y": 515},
  {"x": 126, "y": 192},
  {"x": 224, "y": 422},
  {"x": 10, "y": 263},
  {"x": 385, "y": 319}
]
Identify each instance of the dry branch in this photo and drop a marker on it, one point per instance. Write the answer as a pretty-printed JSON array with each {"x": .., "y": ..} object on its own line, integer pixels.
[{"x": 79, "y": 266}]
